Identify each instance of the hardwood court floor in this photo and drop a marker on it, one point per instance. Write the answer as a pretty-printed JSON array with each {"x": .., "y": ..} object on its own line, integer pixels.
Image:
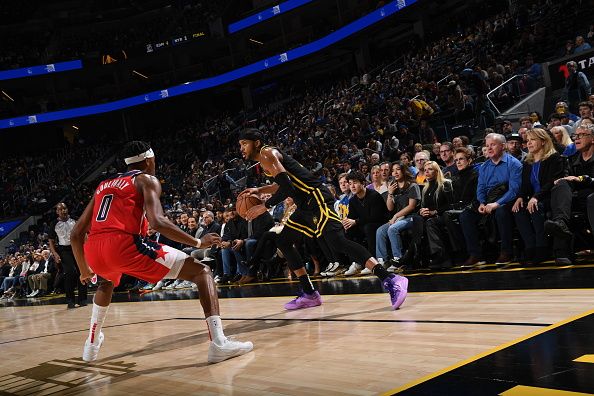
[{"x": 353, "y": 344}]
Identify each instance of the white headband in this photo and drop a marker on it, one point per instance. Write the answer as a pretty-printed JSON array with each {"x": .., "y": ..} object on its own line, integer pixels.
[{"x": 147, "y": 154}]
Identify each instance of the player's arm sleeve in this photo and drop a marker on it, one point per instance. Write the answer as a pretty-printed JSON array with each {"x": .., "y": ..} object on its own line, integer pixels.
[{"x": 285, "y": 190}]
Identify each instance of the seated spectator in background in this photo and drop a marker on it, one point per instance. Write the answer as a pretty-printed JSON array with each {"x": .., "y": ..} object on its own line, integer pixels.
[
  {"x": 536, "y": 119},
  {"x": 255, "y": 229},
  {"x": 406, "y": 160},
  {"x": 405, "y": 137},
  {"x": 542, "y": 167},
  {"x": 514, "y": 146},
  {"x": 525, "y": 122},
  {"x": 11, "y": 281},
  {"x": 367, "y": 210},
  {"x": 436, "y": 198},
  {"x": 446, "y": 153},
  {"x": 403, "y": 197},
  {"x": 426, "y": 133},
  {"x": 377, "y": 181},
  {"x": 391, "y": 151},
  {"x": 22, "y": 278},
  {"x": 580, "y": 45},
  {"x": 507, "y": 127},
  {"x": 578, "y": 181},
  {"x": 434, "y": 155},
  {"x": 499, "y": 182},
  {"x": 192, "y": 226},
  {"x": 386, "y": 169},
  {"x": 562, "y": 138},
  {"x": 420, "y": 158},
  {"x": 464, "y": 185},
  {"x": 585, "y": 111},
  {"x": 235, "y": 230},
  {"x": 38, "y": 282},
  {"x": 209, "y": 226}
]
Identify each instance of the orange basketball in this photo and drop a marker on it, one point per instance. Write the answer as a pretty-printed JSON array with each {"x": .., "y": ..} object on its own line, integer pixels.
[{"x": 245, "y": 202}]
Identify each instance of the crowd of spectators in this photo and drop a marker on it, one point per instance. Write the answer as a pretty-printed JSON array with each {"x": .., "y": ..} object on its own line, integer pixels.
[
  {"x": 31, "y": 183},
  {"x": 380, "y": 131}
]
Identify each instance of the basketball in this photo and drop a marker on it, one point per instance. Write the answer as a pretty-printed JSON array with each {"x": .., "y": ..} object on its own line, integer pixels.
[{"x": 245, "y": 202}]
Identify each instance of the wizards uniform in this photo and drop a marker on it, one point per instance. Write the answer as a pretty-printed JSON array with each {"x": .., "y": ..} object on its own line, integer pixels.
[
  {"x": 117, "y": 242},
  {"x": 314, "y": 214}
]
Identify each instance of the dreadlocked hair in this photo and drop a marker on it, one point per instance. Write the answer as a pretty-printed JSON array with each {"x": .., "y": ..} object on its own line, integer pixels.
[{"x": 134, "y": 148}]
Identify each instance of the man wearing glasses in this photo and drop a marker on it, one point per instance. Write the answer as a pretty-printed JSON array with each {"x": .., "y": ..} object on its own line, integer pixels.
[
  {"x": 446, "y": 153},
  {"x": 575, "y": 191}
]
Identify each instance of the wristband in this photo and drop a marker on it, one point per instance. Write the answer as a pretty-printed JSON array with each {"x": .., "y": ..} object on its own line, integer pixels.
[{"x": 198, "y": 243}]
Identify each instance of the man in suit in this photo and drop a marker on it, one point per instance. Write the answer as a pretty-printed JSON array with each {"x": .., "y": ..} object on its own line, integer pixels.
[{"x": 42, "y": 274}]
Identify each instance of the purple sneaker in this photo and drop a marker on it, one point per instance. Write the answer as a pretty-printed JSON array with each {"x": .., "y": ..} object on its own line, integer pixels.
[
  {"x": 397, "y": 287},
  {"x": 304, "y": 300}
]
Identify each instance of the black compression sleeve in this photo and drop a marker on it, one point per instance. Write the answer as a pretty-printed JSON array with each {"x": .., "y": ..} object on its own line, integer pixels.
[{"x": 285, "y": 190}]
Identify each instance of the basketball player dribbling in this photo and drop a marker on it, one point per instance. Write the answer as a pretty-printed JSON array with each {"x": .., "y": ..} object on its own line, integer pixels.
[
  {"x": 313, "y": 218},
  {"x": 117, "y": 244}
]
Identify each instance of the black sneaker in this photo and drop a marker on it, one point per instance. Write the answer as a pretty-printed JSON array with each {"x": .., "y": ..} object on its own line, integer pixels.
[
  {"x": 557, "y": 228},
  {"x": 71, "y": 305}
]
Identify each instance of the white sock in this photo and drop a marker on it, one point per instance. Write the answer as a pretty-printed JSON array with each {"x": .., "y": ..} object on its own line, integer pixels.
[
  {"x": 215, "y": 329},
  {"x": 97, "y": 319}
]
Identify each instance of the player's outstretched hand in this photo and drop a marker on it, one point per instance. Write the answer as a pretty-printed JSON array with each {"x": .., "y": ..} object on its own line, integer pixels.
[
  {"x": 209, "y": 240},
  {"x": 85, "y": 277},
  {"x": 250, "y": 191},
  {"x": 255, "y": 211}
]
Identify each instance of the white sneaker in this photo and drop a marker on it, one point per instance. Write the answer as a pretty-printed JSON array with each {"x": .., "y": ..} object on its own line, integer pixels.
[
  {"x": 32, "y": 294},
  {"x": 353, "y": 269},
  {"x": 331, "y": 268},
  {"x": 228, "y": 350},
  {"x": 217, "y": 279},
  {"x": 91, "y": 351},
  {"x": 183, "y": 285},
  {"x": 158, "y": 286},
  {"x": 172, "y": 285},
  {"x": 365, "y": 271}
]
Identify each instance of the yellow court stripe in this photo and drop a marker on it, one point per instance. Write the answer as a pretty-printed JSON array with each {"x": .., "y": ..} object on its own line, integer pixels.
[
  {"x": 522, "y": 390},
  {"x": 585, "y": 359},
  {"x": 487, "y": 353}
]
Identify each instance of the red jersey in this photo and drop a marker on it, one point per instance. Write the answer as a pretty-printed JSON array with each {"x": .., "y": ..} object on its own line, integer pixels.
[{"x": 119, "y": 207}]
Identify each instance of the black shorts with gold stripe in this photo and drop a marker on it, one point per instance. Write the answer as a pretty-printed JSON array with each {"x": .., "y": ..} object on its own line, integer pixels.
[{"x": 313, "y": 219}]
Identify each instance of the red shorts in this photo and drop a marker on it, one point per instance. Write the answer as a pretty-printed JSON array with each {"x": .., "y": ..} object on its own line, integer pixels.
[{"x": 111, "y": 255}]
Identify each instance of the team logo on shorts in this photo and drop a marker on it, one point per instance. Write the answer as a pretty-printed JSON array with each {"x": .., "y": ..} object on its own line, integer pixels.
[{"x": 315, "y": 220}]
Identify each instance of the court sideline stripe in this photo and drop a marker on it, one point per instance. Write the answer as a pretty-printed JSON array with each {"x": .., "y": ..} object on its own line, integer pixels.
[
  {"x": 384, "y": 321},
  {"x": 487, "y": 353},
  {"x": 296, "y": 320}
]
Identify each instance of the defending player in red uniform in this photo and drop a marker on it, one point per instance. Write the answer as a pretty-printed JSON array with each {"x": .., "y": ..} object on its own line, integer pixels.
[{"x": 116, "y": 225}]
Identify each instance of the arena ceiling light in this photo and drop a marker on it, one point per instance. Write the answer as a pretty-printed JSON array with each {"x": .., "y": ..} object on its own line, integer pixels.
[
  {"x": 215, "y": 81},
  {"x": 8, "y": 96},
  {"x": 140, "y": 74}
]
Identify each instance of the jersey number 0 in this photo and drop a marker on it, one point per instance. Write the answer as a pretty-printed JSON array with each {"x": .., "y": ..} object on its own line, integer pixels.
[{"x": 104, "y": 207}]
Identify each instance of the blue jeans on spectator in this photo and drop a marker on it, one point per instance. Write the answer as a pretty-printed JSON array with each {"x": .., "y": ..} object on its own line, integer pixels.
[
  {"x": 227, "y": 255},
  {"x": 9, "y": 282},
  {"x": 250, "y": 247},
  {"x": 469, "y": 220},
  {"x": 392, "y": 233}
]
